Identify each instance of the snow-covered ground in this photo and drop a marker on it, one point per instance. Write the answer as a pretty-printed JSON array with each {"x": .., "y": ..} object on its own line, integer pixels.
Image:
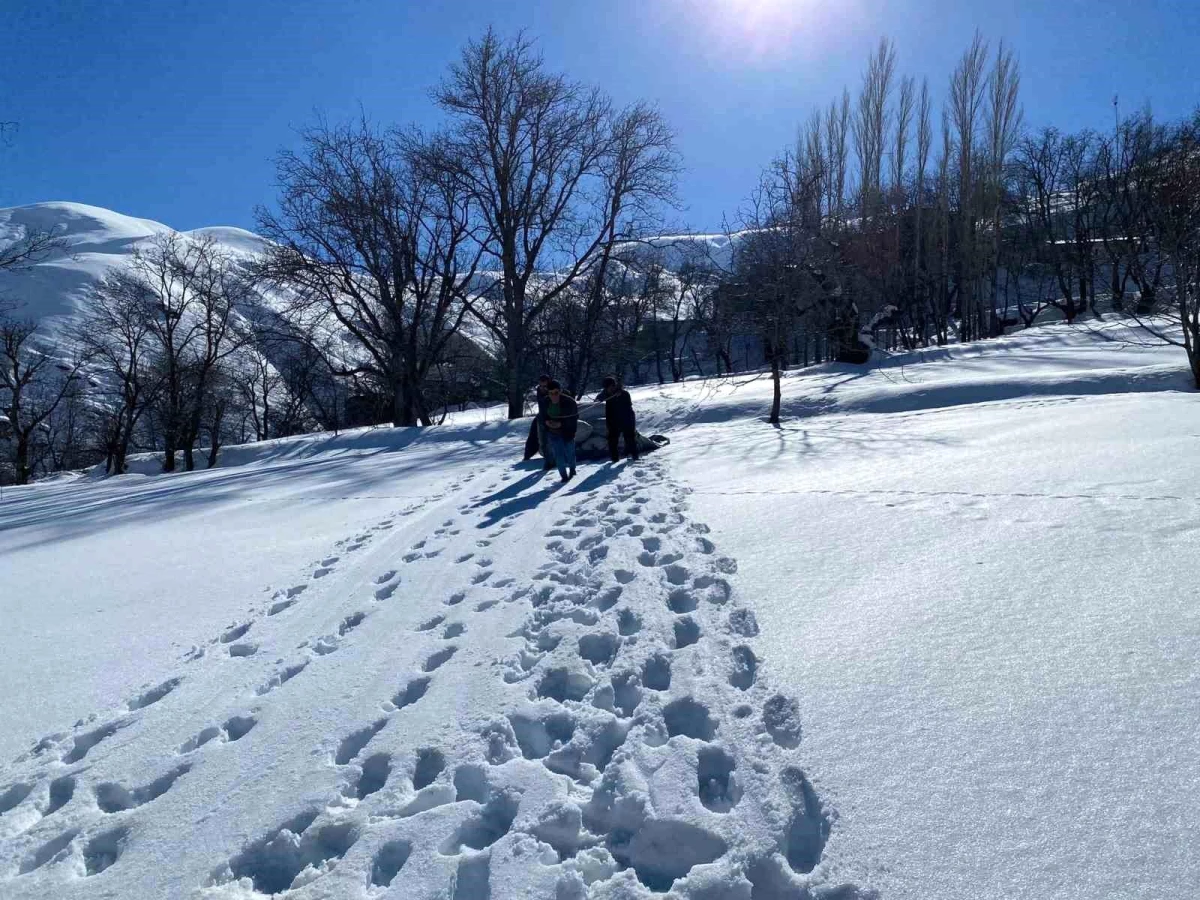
[{"x": 933, "y": 637}]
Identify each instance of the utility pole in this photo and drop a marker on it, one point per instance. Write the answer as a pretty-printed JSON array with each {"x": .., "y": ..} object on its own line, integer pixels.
[{"x": 1116, "y": 116}]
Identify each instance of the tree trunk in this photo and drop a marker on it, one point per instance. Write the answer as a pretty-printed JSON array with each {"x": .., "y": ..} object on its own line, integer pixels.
[
  {"x": 118, "y": 458},
  {"x": 515, "y": 388},
  {"x": 402, "y": 404},
  {"x": 23, "y": 472},
  {"x": 777, "y": 393}
]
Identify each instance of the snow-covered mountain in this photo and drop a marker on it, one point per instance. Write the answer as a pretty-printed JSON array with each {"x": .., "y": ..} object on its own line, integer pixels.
[
  {"x": 93, "y": 241},
  {"x": 933, "y": 637}
]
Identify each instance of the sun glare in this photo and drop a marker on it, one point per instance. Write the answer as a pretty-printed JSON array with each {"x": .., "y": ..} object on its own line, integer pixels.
[{"x": 765, "y": 31}]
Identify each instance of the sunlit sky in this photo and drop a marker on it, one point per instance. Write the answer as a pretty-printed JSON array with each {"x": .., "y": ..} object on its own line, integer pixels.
[{"x": 173, "y": 110}]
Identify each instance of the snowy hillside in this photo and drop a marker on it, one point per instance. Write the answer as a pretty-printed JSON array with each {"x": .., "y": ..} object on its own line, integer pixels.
[
  {"x": 94, "y": 240},
  {"x": 933, "y": 637}
]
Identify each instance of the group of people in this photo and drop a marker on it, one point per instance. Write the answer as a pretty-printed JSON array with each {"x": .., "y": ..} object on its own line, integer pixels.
[{"x": 557, "y": 424}]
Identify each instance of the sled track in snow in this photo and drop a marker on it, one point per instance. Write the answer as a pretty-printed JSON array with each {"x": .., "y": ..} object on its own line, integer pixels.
[{"x": 638, "y": 749}]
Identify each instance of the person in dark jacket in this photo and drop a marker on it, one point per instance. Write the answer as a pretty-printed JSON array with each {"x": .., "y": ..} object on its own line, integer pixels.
[
  {"x": 537, "y": 431},
  {"x": 618, "y": 418},
  {"x": 562, "y": 421}
]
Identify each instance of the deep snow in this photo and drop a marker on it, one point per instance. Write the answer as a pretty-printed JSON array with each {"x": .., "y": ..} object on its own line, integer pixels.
[{"x": 933, "y": 637}]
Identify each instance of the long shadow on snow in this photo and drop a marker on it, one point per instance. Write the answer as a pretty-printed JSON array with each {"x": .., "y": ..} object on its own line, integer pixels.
[
  {"x": 70, "y": 511},
  {"x": 921, "y": 397},
  {"x": 512, "y": 500},
  {"x": 601, "y": 475}
]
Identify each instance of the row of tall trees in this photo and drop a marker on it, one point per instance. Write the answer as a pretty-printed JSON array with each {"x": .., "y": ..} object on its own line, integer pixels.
[
  {"x": 895, "y": 222},
  {"x": 162, "y": 357},
  {"x": 894, "y": 210}
]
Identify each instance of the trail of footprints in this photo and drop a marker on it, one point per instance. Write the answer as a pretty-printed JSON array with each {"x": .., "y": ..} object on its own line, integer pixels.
[
  {"x": 619, "y": 661},
  {"x": 632, "y": 683},
  {"x": 636, "y": 693},
  {"x": 101, "y": 850}
]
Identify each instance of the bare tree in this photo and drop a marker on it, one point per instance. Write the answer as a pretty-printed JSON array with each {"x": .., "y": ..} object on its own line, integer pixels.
[
  {"x": 1003, "y": 126},
  {"x": 116, "y": 336},
  {"x": 1059, "y": 207},
  {"x": 967, "y": 94},
  {"x": 1125, "y": 167},
  {"x": 905, "y": 108},
  {"x": 942, "y": 306},
  {"x": 870, "y": 124},
  {"x": 33, "y": 384},
  {"x": 1175, "y": 183},
  {"x": 837, "y": 129},
  {"x": 375, "y": 230},
  {"x": 924, "y": 142},
  {"x": 557, "y": 175},
  {"x": 189, "y": 288}
]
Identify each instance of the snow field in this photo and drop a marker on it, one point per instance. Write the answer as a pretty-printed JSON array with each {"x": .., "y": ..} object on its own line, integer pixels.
[
  {"x": 397, "y": 724},
  {"x": 955, "y": 656}
]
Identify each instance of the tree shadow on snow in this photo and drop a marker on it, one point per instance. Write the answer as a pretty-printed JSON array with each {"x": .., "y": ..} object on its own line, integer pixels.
[{"x": 54, "y": 513}]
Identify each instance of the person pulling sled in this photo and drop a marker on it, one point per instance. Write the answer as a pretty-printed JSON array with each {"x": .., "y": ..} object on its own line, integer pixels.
[
  {"x": 562, "y": 422},
  {"x": 538, "y": 439},
  {"x": 619, "y": 418}
]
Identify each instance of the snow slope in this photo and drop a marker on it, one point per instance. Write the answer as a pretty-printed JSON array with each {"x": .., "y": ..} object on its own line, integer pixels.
[
  {"x": 932, "y": 638},
  {"x": 94, "y": 240}
]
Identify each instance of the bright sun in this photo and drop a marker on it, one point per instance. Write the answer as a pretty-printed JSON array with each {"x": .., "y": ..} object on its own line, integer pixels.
[{"x": 765, "y": 30}]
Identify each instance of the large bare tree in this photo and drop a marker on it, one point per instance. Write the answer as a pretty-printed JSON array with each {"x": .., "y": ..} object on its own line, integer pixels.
[
  {"x": 116, "y": 337},
  {"x": 375, "y": 229},
  {"x": 33, "y": 385},
  {"x": 968, "y": 90},
  {"x": 191, "y": 287},
  {"x": 559, "y": 178},
  {"x": 1174, "y": 180}
]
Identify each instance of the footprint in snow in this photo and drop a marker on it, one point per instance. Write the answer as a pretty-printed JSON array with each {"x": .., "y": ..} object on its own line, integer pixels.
[
  {"x": 281, "y": 678},
  {"x": 150, "y": 697},
  {"x": 233, "y": 729}
]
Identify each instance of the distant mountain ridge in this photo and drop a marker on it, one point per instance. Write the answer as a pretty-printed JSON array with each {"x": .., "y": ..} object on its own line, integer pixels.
[{"x": 95, "y": 241}]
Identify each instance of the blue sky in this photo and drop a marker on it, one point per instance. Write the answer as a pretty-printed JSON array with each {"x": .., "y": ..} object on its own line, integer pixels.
[{"x": 173, "y": 110}]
